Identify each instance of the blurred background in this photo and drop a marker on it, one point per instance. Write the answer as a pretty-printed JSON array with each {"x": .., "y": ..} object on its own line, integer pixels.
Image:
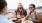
[{"x": 12, "y": 5}]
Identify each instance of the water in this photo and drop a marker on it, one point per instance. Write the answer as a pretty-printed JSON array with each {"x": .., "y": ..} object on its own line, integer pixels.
[{"x": 12, "y": 10}]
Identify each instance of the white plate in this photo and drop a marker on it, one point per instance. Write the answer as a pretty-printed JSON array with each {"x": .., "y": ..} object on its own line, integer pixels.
[{"x": 27, "y": 21}]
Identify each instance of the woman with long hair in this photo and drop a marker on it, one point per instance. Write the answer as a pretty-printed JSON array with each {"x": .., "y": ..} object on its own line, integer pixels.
[{"x": 21, "y": 10}]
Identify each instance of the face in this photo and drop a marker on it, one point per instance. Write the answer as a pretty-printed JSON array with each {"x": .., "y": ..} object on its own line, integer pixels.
[
  {"x": 5, "y": 9},
  {"x": 19, "y": 5},
  {"x": 31, "y": 8}
]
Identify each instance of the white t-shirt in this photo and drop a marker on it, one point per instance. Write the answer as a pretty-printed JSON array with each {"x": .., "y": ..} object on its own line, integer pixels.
[{"x": 4, "y": 19}]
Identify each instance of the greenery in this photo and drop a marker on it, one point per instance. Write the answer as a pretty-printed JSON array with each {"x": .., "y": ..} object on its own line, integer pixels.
[{"x": 39, "y": 7}]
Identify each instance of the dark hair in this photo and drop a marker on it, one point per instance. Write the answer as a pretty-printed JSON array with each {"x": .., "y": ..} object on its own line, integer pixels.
[
  {"x": 32, "y": 5},
  {"x": 2, "y": 4}
]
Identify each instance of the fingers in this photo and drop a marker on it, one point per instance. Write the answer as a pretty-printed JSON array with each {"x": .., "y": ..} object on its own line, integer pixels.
[{"x": 30, "y": 19}]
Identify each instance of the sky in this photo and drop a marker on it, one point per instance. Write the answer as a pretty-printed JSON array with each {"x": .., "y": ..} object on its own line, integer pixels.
[{"x": 13, "y": 4}]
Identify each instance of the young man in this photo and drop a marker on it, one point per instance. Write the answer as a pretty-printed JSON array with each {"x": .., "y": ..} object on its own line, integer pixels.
[{"x": 3, "y": 10}]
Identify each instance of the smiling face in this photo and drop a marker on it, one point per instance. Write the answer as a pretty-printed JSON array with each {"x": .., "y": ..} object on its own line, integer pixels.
[{"x": 31, "y": 8}]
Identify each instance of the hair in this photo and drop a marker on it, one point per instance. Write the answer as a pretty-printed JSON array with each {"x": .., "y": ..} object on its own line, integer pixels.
[
  {"x": 2, "y": 4},
  {"x": 20, "y": 3},
  {"x": 32, "y": 5},
  {"x": 21, "y": 8}
]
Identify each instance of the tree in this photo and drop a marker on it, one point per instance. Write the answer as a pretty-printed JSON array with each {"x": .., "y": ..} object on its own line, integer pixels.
[{"x": 39, "y": 7}]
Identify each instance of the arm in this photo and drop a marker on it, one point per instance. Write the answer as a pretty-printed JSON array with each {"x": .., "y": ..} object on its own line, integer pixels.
[
  {"x": 24, "y": 18},
  {"x": 13, "y": 15},
  {"x": 38, "y": 17}
]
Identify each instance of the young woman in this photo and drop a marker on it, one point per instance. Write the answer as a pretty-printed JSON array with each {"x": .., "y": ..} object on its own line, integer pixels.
[
  {"x": 33, "y": 15},
  {"x": 21, "y": 10},
  {"x": 3, "y": 11}
]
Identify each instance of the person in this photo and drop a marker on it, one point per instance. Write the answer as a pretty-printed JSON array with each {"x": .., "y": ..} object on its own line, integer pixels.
[
  {"x": 33, "y": 15},
  {"x": 21, "y": 10},
  {"x": 3, "y": 11},
  {"x": 18, "y": 18}
]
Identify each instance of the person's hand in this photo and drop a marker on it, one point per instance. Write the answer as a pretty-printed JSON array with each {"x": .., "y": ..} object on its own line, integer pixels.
[
  {"x": 22, "y": 16},
  {"x": 30, "y": 19},
  {"x": 12, "y": 16},
  {"x": 18, "y": 16},
  {"x": 23, "y": 19},
  {"x": 27, "y": 15}
]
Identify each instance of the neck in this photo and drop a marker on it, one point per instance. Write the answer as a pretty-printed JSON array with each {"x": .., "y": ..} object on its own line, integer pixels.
[
  {"x": 20, "y": 9},
  {"x": 2, "y": 13},
  {"x": 32, "y": 11}
]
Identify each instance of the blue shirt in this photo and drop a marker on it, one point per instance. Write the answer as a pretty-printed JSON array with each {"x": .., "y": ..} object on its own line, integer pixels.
[{"x": 3, "y": 19}]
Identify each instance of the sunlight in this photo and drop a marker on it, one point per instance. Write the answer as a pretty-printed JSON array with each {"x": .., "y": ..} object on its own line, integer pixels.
[{"x": 12, "y": 4}]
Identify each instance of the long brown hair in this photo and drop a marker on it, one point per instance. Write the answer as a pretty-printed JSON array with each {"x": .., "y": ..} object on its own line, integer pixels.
[{"x": 21, "y": 7}]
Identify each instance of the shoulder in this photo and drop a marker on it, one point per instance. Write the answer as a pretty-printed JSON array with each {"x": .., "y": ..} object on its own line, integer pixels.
[
  {"x": 8, "y": 21},
  {"x": 37, "y": 13},
  {"x": 15, "y": 10}
]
